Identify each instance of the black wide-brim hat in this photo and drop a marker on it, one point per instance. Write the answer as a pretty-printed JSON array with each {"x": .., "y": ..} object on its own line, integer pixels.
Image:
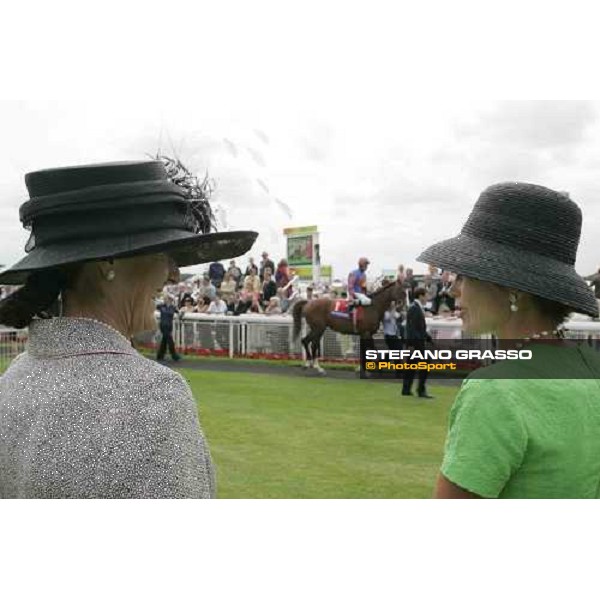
[
  {"x": 115, "y": 210},
  {"x": 524, "y": 237}
]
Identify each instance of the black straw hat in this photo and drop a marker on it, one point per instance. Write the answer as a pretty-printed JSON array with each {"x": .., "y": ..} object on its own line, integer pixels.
[
  {"x": 524, "y": 237},
  {"x": 114, "y": 210}
]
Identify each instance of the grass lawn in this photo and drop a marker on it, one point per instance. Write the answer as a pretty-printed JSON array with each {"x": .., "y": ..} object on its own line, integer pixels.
[{"x": 275, "y": 436}]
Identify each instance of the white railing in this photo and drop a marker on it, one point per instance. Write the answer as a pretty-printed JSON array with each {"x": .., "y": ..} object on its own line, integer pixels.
[
  {"x": 257, "y": 335},
  {"x": 252, "y": 334},
  {"x": 245, "y": 335}
]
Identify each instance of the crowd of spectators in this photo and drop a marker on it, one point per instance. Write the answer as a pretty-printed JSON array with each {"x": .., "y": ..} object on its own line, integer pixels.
[
  {"x": 438, "y": 301},
  {"x": 258, "y": 288},
  {"x": 266, "y": 289}
]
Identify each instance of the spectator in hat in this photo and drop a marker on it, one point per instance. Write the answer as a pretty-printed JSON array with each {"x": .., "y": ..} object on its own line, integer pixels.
[
  {"x": 522, "y": 428},
  {"x": 109, "y": 423}
]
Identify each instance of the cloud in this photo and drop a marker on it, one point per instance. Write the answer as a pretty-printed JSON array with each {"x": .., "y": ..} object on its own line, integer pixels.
[
  {"x": 262, "y": 185},
  {"x": 530, "y": 125},
  {"x": 284, "y": 207},
  {"x": 385, "y": 184},
  {"x": 262, "y": 136},
  {"x": 231, "y": 147},
  {"x": 257, "y": 157},
  {"x": 318, "y": 140}
]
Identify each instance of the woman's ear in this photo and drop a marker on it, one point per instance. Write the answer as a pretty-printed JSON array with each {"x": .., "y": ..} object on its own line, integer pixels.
[
  {"x": 107, "y": 269},
  {"x": 513, "y": 300}
]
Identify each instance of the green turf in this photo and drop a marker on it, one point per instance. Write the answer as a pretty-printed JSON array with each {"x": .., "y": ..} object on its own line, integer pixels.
[{"x": 275, "y": 436}]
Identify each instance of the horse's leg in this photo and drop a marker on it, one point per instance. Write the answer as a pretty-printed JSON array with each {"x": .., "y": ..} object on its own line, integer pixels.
[
  {"x": 316, "y": 347},
  {"x": 307, "y": 354},
  {"x": 306, "y": 342}
]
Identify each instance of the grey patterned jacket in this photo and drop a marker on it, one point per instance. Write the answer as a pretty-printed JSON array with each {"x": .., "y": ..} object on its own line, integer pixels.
[{"x": 84, "y": 415}]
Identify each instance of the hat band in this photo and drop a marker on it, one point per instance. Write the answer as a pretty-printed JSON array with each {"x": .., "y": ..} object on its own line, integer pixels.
[
  {"x": 54, "y": 229},
  {"x": 99, "y": 196}
]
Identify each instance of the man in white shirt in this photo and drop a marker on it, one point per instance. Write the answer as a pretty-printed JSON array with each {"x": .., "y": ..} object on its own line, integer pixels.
[{"x": 217, "y": 306}]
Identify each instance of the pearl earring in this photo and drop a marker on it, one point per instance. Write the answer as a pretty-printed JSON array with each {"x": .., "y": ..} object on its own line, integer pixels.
[
  {"x": 110, "y": 275},
  {"x": 512, "y": 298}
]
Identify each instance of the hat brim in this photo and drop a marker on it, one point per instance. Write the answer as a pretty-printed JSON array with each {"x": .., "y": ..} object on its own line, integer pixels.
[
  {"x": 186, "y": 248},
  {"x": 516, "y": 269}
]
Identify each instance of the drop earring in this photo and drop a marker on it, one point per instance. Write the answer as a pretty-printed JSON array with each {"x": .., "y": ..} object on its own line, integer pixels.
[
  {"x": 512, "y": 298},
  {"x": 110, "y": 275}
]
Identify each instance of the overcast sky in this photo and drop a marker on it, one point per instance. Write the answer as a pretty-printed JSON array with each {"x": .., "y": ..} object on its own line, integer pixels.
[{"x": 294, "y": 133}]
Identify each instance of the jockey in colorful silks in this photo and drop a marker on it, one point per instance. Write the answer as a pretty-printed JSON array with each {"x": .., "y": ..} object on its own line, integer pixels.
[{"x": 357, "y": 284}]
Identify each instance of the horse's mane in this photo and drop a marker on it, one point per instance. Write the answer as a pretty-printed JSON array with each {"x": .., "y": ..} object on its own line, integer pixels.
[{"x": 384, "y": 286}]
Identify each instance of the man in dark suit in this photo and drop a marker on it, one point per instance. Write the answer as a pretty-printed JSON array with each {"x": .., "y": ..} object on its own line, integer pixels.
[
  {"x": 415, "y": 337},
  {"x": 167, "y": 313}
]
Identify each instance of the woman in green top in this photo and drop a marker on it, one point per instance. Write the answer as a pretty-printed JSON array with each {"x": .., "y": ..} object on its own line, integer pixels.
[{"x": 522, "y": 429}]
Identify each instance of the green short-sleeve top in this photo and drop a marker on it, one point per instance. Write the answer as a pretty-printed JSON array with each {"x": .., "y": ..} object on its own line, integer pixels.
[{"x": 529, "y": 438}]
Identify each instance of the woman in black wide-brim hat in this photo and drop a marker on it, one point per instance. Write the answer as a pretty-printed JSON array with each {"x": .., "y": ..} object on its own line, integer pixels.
[
  {"x": 82, "y": 414},
  {"x": 529, "y": 428}
]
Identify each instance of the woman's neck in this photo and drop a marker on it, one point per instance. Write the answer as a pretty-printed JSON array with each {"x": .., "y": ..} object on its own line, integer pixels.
[
  {"x": 97, "y": 313},
  {"x": 525, "y": 324}
]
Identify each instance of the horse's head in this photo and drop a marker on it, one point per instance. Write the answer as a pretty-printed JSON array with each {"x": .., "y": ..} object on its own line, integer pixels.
[
  {"x": 392, "y": 290},
  {"x": 398, "y": 294}
]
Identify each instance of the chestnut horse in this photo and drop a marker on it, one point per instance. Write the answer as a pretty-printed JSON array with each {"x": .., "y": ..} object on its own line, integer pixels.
[{"x": 318, "y": 315}]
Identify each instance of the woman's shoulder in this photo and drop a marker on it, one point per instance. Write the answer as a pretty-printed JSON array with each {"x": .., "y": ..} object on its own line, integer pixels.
[
  {"x": 160, "y": 382},
  {"x": 139, "y": 371},
  {"x": 143, "y": 384},
  {"x": 488, "y": 400}
]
